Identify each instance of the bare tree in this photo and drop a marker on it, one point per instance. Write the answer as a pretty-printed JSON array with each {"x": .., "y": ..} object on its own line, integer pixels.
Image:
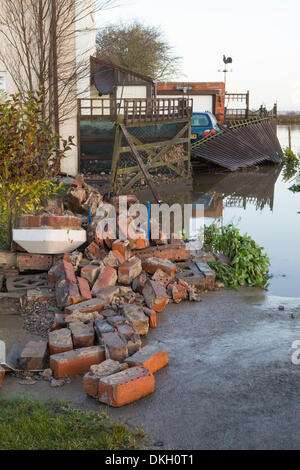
[
  {"x": 140, "y": 48},
  {"x": 38, "y": 49}
]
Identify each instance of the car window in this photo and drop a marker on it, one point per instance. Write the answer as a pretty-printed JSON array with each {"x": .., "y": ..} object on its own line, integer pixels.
[{"x": 201, "y": 121}]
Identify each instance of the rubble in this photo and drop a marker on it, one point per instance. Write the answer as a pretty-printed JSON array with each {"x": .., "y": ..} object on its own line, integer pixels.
[{"x": 96, "y": 304}]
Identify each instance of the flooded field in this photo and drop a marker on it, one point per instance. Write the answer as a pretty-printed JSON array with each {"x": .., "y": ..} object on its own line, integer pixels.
[{"x": 260, "y": 203}]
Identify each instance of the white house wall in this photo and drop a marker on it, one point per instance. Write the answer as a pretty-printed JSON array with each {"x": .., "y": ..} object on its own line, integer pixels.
[{"x": 201, "y": 103}]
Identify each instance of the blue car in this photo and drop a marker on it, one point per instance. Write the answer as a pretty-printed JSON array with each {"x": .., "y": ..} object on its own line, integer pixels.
[{"x": 203, "y": 125}]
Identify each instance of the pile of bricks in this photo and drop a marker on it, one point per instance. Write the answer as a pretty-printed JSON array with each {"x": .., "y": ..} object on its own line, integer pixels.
[{"x": 110, "y": 295}]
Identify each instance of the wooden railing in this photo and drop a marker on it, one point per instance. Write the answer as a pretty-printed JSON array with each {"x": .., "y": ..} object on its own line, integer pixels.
[{"x": 136, "y": 110}]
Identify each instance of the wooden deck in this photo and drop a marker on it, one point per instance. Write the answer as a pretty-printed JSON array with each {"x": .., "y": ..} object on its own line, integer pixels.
[{"x": 136, "y": 110}]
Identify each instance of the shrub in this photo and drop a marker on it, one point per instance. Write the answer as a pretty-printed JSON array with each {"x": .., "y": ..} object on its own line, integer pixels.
[
  {"x": 249, "y": 265},
  {"x": 29, "y": 158}
]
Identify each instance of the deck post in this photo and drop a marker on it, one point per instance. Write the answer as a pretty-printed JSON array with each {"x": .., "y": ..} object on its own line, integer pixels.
[{"x": 116, "y": 154}]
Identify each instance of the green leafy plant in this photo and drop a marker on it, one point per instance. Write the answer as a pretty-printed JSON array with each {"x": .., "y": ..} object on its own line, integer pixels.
[
  {"x": 29, "y": 158},
  {"x": 290, "y": 164},
  {"x": 249, "y": 264}
]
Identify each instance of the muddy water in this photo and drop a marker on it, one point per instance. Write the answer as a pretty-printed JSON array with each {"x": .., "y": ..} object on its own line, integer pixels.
[{"x": 258, "y": 202}]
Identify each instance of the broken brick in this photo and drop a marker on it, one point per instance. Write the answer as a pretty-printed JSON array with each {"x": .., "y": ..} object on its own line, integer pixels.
[
  {"x": 101, "y": 327},
  {"x": 41, "y": 294},
  {"x": 154, "y": 357},
  {"x": 108, "y": 294},
  {"x": 109, "y": 312},
  {"x": 136, "y": 317},
  {"x": 114, "y": 259},
  {"x": 129, "y": 271},
  {"x": 115, "y": 346},
  {"x": 60, "y": 341},
  {"x": 84, "y": 289},
  {"x": 155, "y": 296},
  {"x": 90, "y": 273},
  {"x": 107, "y": 278},
  {"x": 33, "y": 356},
  {"x": 105, "y": 369},
  {"x": 94, "y": 305},
  {"x": 133, "y": 339},
  {"x": 83, "y": 335},
  {"x": 151, "y": 265},
  {"x": 94, "y": 252},
  {"x": 77, "y": 361},
  {"x": 123, "y": 247},
  {"x": 178, "y": 292},
  {"x": 67, "y": 294},
  {"x": 59, "y": 322},
  {"x": 152, "y": 315},
  {"x": 139, "y": 282},
  {"x": 126, "y": 387},
  {"x": 34, "y": 262},
  {"x": 90, "y": 384},
  {"x": 174, "y": 252}
]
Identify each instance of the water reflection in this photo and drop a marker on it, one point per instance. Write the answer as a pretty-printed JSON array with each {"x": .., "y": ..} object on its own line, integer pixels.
[{"x": 260, "y": 202}]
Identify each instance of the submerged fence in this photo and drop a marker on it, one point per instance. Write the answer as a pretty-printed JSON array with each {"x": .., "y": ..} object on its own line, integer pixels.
[{"x": 240, "y": 145}]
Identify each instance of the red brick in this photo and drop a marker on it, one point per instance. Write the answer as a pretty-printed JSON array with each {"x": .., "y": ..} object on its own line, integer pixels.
[
  {"x": 139, "y": 283},
  {"x": 90, "y": 384},
  {"x": 34, "y": 355},
  {"x": 136, "y": 317},
  {"x": 76, "y": 362},
  {"x": 178, "y": 292},
  {"x": 28, "y": 221},
  {"x": 116, "y": 346},
  {"x": 94, "y": 252},
  {"x": 59, "y": 322},
  {"x": 60, "y": 341},
  {"x": 151, "y": 265},
  {"x": 32, "y": 262},
  {"x": 133, "y": 339},
  {"x": 154, "y": 357},
  {"x": 83, "y": 335},
  {"x": 84, "y": 289},
  {"x": 107, "y": 294},
  {"x": 2, "y": 374},
  {"x": 114, "y": 259},
  {"x": 152, "y": 315},
  {"x": 107, "y": 278},
  {"x": 90, "y": 306},
  {"x": 175, "y": 252},
  {"x": 126, "y": 387},
  {"x": 155, "y": 296},
  {"x": 67, "y": 294},
  {"x": 105, "y": 369},
  {"x": 123, "y": 247},
  {"x": 69, "y": 272},
  {"x": 129, "y": 271},
  {"x": 90, "y": 273},
  {"x": 41, "y": 294}
]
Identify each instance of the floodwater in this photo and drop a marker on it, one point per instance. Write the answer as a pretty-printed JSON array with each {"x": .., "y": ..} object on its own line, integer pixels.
[{"x": 260, "y": 203}]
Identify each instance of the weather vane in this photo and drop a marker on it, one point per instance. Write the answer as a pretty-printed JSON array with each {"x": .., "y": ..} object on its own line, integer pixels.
[{"x": 226, "y": 60}]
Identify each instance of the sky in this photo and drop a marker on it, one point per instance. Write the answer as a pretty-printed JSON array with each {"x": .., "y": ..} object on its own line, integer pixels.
[{"x": 261, "y": 36}]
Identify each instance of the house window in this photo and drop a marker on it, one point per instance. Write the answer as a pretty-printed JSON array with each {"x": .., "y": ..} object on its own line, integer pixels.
[{"x": 3, "y": 81}]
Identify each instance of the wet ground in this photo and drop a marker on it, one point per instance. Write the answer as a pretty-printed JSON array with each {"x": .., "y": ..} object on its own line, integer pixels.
[{"x": 231, "y": 382}]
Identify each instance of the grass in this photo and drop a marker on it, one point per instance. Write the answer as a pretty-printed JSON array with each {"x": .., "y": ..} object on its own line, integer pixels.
[{"x": 33, "y": 425}]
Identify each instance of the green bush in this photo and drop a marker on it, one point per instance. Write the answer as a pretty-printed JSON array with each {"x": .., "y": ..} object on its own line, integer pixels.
[
  {"x": 249, "y": 264},
  {"x": 29, "y": 159}
]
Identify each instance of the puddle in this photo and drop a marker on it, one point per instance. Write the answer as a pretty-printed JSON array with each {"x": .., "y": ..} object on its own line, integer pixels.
[{"x": 260, "y": 344}]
